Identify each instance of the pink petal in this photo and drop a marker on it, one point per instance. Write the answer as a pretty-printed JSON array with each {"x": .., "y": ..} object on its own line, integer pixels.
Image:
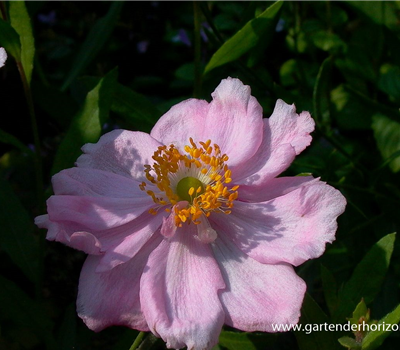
[
  {"x": 205, "y": 233},
  {"x": 112, "y": 298},
  {"x": 122, "y": 152},
  {"x": 289, "y": 127},
  {"x": 274, "y": 188},
  {"x": 97, "y": 213},
  {"x": 70, "y": 234},
  {"x": 234, "y": 121},
  {"x": 286, "y": 134},
  {"x": 123, "y": 243},
  {"x": 257, "y": 295},
  {"x": 179, "y": 292},
  {"x": 184, "y": 120},
  {"x": 292, "y": 228},
  {"x": 94, "y": 182}
]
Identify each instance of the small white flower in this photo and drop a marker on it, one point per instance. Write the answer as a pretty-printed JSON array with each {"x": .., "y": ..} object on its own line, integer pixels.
[{"x": 3, "y": 56}]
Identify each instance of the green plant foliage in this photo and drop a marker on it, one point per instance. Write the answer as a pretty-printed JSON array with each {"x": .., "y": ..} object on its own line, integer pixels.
[
  {"x": 367, "y": 277},
  {"x": 19, "y": 308},
  {"x": 12, "y": 140},
  {"x": 87, "y": 124},
  {"x": 21, "y": 22},
  {"x": 18, "y": 241},
  {"x": 258, "y": 30},
  {"x": 96, "y": 39},
  {"x": 245, "y": 341},
  {"x": 374, "y": 339},
  {"x": 9, "y": 39},
  {"x": 339, "y": 60},
  {"x": 387, "y": 135},
  {"x": 309, "y": 338},
  {"x": 329, "y": 286}
]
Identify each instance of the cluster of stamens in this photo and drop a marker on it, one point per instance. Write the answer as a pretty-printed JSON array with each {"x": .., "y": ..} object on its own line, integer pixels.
[{"x": 198, "y": 177}]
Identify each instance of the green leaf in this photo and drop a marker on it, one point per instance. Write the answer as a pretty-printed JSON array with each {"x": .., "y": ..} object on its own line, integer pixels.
[
  {"x": 19, "y": 308},
  {"x": 361, "y": 310},
  {"x": 380, "y": 12},
  {"x": 9, "y": 139},
  {"x": 259, "y": 29},
  {"x": 349, "y": 343},
  {"x": 330, "y": 289},
  {"x": 321, "y": 93},
  {"x": 96, "y": 39},
  {"x": 389, "y": 80},
  {"x": 366, "y": 279},
  {"x": 387, "y": 136},
  {"x": 86, "y": 126},
  {"x": 374, "y": 339},
  {"x": 349, "y": 111},
  {"x": 328, "y": 41},
  {"x": 16, "y": 238},
  {"x": 21, "y": 22},
  {"x": 309, "y": 339},
  {"x": 246, "y": 341},
  {"x": 136, "y": 109},
  {"x": 9, "y": 39}
]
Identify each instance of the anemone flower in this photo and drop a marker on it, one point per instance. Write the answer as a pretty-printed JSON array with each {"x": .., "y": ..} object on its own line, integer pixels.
[{"x": 189, "y": 228}]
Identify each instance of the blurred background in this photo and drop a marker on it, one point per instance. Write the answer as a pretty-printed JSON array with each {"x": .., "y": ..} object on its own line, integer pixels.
[{"x": 338, "y": 60}]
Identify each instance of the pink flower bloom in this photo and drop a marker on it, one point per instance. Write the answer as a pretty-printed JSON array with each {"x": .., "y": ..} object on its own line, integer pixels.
[{"x": 189, "y": 228}]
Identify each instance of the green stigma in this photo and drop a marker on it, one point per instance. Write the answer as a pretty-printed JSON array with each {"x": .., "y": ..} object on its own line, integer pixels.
[{"x": 188, "y": 188}]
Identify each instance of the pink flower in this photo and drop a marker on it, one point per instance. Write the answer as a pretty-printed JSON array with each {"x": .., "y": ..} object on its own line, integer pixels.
[{"x": 189, "y": 228}]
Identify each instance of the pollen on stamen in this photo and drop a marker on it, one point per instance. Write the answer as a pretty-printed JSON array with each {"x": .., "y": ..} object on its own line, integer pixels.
[{"x": 197, "y": 177}]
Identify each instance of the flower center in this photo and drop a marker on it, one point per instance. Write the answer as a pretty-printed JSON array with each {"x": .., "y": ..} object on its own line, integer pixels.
[
  {"x": 189, "y": 186},
  {"x": 198, "y": 178}
]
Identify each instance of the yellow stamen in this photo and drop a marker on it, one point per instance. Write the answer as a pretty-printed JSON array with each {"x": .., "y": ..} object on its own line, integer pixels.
[{"x": 203, "y": 188}]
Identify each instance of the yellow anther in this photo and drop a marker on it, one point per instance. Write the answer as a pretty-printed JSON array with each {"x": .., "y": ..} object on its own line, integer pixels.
[
  {"x": 196, "y": 153},
  {"x": 202, "y": 186}
]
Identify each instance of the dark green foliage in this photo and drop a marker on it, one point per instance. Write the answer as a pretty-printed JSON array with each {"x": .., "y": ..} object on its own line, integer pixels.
[{"x": 95, "y": 66}]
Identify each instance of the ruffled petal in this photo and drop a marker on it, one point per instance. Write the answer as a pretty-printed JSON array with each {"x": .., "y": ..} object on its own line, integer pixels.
[
  {"x": 179, "y": 292},
  {"x": 289, "y": 127},
  {"x": 184, "y": 120},
  {"x": 122, "y": 244},
  {"x": 275, "y": 187},
  {"x": 292, "y": 228},
  {"x": 112, "y": 298},
  {"x": 70, "y": 234},
  {"x": 94, "y": 182},
  {"x": 234, "y": 121},
  {"x": 121, "y": 152},
  {"x": 97, "y": 213},
  {"x": 285, "y": 135},
  {"x": 257, "y": 295}
]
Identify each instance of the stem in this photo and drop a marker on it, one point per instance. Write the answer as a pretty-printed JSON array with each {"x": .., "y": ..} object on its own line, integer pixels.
[
  {"x": 3, "y": 10},
  {"x": 197, "y": 50},
  {"x": 137, "y": 341},
  {"x": 38, "y": 168},
  {"x": 329, "y": 16},
  {"x": 38, "y": 158}
]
